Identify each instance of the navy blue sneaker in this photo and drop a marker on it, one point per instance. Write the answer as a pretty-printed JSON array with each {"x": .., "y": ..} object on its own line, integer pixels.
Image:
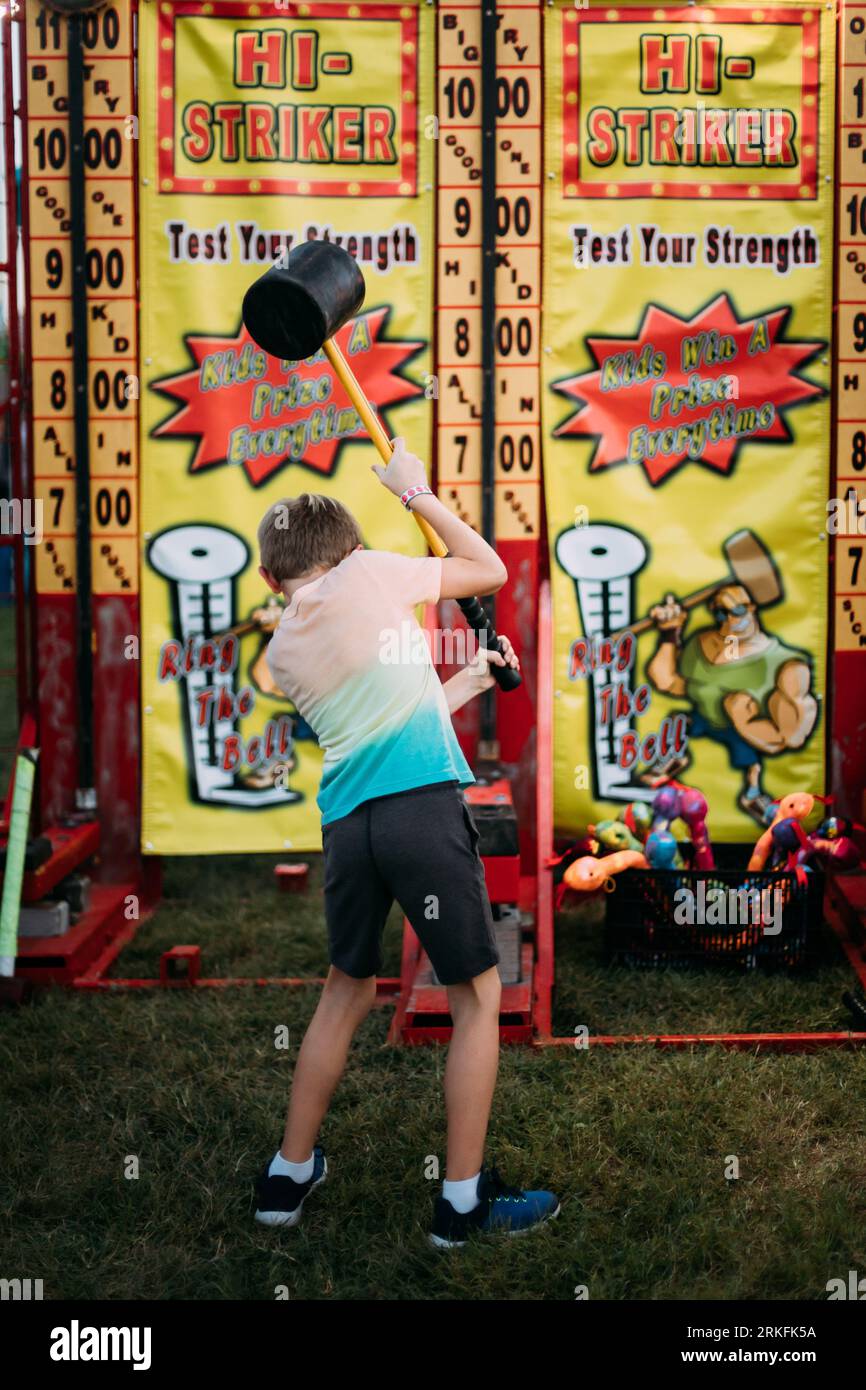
[
  {"x": 508, "y": 1210},
  {"x": 280, "y": 1199}
]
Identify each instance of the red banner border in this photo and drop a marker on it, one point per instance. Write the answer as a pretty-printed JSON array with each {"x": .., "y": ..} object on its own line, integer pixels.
[
  {"x": 573, "y": 186},
  {"x": 168, "y": 182}
]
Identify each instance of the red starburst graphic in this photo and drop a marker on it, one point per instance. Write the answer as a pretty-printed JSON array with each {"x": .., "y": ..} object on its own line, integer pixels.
[
  {"x": 689, "y": 390},
  {"x": 243, "y": 407}
]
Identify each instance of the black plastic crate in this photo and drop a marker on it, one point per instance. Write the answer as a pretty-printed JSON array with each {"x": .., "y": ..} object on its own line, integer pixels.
[{"x": 641, "y": 928}]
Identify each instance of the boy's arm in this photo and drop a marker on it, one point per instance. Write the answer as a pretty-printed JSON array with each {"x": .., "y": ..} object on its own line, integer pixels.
[
  {"x": 477, "y": 676},
  {"x": 472, "y": 566}
]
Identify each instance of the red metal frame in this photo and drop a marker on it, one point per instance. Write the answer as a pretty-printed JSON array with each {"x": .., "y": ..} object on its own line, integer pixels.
[
  {"x": 784, "y": 1042},
  {"x": 100, "y": 935},
  {"x": 13, "y": 409},
  {"x": 62, "y": 959},
  {"x": 26, "y": 739},
  {"x": 520, "y": 1024},
  {"x": 48, "y": 720},
  {"x": 733, "y": 1042},
  {"x": 71, "y": 846},
  {"x": 845, "y": 912},
  {"x": 845, "y": 728},
  {"x": 544, "y": 817},
  {"x": 420, "y": 1002},
  {"x": 93, "y": 982},
  {"x": 52, "y": 614}
]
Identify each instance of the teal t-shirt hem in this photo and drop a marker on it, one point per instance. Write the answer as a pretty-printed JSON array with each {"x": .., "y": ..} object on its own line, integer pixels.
[{"x": 339, "y": 810}]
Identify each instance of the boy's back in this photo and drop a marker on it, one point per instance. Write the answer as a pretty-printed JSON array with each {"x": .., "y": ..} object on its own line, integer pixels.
[{"x": 350, "y": 654}]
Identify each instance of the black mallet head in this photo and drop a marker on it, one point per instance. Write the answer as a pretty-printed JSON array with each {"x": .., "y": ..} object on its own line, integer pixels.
[{"x": 292, "y": 309}]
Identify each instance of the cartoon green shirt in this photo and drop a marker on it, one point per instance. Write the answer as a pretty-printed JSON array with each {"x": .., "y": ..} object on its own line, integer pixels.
[{"x": 707, "y": 685}]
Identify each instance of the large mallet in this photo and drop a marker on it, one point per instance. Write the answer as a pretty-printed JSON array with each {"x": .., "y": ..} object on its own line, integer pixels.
[{"x": 293, "y": 311}]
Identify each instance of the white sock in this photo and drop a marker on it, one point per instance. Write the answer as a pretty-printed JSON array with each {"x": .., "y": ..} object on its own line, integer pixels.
[
  {"x": 462, "y": 1195},
  {"x": 282, "y": 1168}
]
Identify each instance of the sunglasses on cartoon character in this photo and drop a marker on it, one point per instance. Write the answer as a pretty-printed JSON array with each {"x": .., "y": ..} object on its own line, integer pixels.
[{"x": 737, "y": 610}]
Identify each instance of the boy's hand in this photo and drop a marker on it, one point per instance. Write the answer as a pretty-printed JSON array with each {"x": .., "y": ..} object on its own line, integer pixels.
[
  {"x": 404, "y": 470},
  {"x": 477, "y": 677},
  {"x": 479, "y": 672}
]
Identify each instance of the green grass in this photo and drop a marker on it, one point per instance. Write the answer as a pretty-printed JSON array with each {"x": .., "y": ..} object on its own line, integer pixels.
[
  {"x": 230, "y": 906},
  {"x": 616, "y": 1000},
  {"x": 636, "y": 1142}
]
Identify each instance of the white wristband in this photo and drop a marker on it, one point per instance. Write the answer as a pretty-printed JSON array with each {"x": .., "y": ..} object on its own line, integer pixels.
[{"x": 420, "y": 490}]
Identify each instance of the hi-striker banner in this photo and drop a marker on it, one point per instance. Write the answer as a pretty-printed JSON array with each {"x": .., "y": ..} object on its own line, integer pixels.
[
  {"x": 263, "y": 126},
  {"x": 688, "y": 265}
]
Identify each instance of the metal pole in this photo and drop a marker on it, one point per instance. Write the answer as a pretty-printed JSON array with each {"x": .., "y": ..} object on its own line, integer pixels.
[
  {"x": 28, "y": 599},
  {"x": 85, "y": 795},
  {"x": 489, "y": 21},
  {"x": 14, "y": 442}
]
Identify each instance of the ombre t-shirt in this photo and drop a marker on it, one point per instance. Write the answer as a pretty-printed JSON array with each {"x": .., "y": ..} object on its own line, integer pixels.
[{"x": 350, "y": 654}]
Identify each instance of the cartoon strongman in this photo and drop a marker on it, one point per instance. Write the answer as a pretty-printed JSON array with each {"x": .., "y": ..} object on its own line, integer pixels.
[
  {"x": 265, "y": 620},
  {"x": 749, "y": 691}
]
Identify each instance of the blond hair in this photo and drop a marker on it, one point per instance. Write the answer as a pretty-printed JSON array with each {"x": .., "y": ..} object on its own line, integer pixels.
[{"x": 300, "y": 534}]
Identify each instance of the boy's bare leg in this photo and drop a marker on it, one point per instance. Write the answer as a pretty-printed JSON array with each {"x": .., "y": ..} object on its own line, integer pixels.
[
  {"x": 470, "y": 1072},
  {"x": 344, "y": 1004}
]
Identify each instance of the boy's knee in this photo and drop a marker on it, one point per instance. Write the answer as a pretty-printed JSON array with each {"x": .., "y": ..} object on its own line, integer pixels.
[
  {"x": 482, "y": 994},
  {"x": 349, "y": 992}
]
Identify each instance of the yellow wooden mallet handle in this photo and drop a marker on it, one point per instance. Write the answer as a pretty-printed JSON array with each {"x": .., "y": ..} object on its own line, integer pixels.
[
  {"x": 373, "y": 425},
  {"x": 505, "y": 676}
]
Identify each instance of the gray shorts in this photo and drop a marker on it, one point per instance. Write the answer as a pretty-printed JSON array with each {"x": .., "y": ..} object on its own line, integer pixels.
[{"x": 420, "y": 849}]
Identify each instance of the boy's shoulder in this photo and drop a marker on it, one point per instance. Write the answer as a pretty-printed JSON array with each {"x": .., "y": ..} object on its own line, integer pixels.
[
  {"x": 373, "y": 556},
  {"x": 360, "y": 563},
  {"x": 383, "y": 562},
  {"x": 387, "y": 576}
]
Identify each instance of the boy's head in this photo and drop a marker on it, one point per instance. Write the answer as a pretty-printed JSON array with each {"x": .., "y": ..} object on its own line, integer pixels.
[{"x": 300, "y": 534}]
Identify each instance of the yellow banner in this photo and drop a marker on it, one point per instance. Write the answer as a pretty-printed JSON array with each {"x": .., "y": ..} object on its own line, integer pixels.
[
  {"x": 686, "y": 414},
  {"x": 262, "y": 127}
]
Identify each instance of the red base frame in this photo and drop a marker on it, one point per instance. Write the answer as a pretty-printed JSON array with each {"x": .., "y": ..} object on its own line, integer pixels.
[{"x": 740, "y": 1042}]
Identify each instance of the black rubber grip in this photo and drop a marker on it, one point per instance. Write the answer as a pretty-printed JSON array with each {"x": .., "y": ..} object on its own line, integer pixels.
[{"x": 505, "y": 676}]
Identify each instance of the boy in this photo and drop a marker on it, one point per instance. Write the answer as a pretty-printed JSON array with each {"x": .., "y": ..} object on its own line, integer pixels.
[{"x": 394, "y": 825}]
